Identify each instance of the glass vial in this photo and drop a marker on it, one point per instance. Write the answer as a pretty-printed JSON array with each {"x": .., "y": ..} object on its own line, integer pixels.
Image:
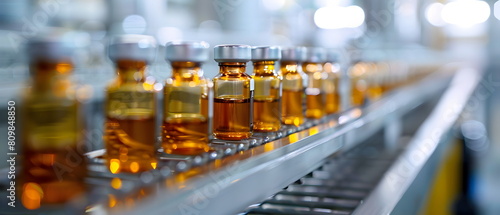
[
  {"x": 185, "y": 115},
  {"x": 130, "y": 106},
  {"x": 359, "y": 83},
  {"x": 292, "y": 110},
  {"x": 375, "y": 71},
  {"x": 267, "y": 89},
  {"x": 313, "y": 68},
  {"x": 232, "y": 118},
  {"x": 54, "y": 167},
  {"x": 331, "y": 83}
]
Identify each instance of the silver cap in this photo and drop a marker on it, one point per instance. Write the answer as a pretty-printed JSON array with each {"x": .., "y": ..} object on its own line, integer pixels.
[
  {"x": 132, "y": 47},
  {"x": 232, "y": 53},
  {"x": 260, "y": 53},
  {"x": 187, "y": 51},
  {"x": 315, "y": 55},
  {"x": 293, "y": 54},
  {"x": 49, "y": 49}
]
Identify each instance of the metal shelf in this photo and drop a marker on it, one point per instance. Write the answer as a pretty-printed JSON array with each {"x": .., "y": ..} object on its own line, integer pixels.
[
  {"x": 230, "y": 184},
  {"x": 234, "y": 177},
  {"x": 404, "y": 185}
]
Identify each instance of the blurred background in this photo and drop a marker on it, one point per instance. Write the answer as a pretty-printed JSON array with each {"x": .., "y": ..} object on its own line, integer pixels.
[{"x": 424, "y": 30}]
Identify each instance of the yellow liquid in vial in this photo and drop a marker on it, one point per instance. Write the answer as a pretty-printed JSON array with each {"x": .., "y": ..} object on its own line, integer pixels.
[
  {"x": 130, "y": 144},
  {"x": 266, "y": 105},
  {"x": 357, "y": 96},
  {"x": 292, "y": 109},
  {"x": 315, "y": 106},
  {"x": 53, "y": 166},
  {"x": 375, "y": 92},
  {"x": 315, "y": 97},
  {"x": 332, "y": 103},
  {"x": 185, "y": 115},
  {"x": 187, "y": 134},
  {"x": 266, "y": 115},
  {"x": 130, "y": 127},
  {"x": 232, "y": 119}
]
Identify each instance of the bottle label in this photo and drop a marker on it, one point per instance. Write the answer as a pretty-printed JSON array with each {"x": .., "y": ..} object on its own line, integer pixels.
[
  {"x": 51, "y": 126},
  {"x": 131, "y": 104},
  {"x": 262, "y": 88},
  {"x": 233, "y": 89},
  {"x": 183, "y": 100}
]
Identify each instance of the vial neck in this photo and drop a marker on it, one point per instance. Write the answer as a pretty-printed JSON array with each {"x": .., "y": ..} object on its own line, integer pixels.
[
  {"x": 263, "y": 67},
  {"x": 232, "y": 67},
  {"x": 310, "y": 67},
  {"x": 46, "y": 74},
  {"x": 131, "y": 70},
  {"x": 289, "y": 67},
  {"x": 186, "y": 71},
  {"x": 331, "y": 67}
]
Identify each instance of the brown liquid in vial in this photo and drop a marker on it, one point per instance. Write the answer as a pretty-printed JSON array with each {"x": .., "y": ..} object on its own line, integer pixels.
[
  {"x": 375, "y": 92},
  {"x": 332, "y": 103},
  {"x": 315, "y": 106},
  {"x": 130, "y": 144},
  {"x": 292, "y": 110},
  {"x": 265, "y": 115},
  {"x": 233, "y": 122},
  {"x": 185, "y": 137},
  {"x": 52, "y": 178},
  {"x": 53, "y": 166},
  {"x": 357, "y": 96}
]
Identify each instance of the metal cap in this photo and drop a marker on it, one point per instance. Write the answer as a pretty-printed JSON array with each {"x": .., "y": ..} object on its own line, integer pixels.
[
  {"x": 50, "y": 49},
  {"x": 232, "y": 53},
  {"x": 187, "y": 51},
  {"x": 293, "y": 54},
  {"x": 132, "y": 47},
  {"x": 315, "y": 55},
  {"x": 261, "y": 53}
]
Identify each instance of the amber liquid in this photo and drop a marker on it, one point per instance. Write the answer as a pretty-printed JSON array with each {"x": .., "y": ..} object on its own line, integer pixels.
[
  {"x": 292, "y": 110},
  {"x": 375, "y": 92},
  {"x": 266, "y": 116},
  {"x": 130, "y": 144},
  {"x": 231, "y": 120},
  {"x": 332, "y": 103},
  {"x": 185, "y": 137},
  {"x": 53, "y": 167},
  {"x": 357, "y": 97},
  {"x": 315, "y": 108},
  {"x": 49, "y": 177},
  {"x": 185, "y": 124}
]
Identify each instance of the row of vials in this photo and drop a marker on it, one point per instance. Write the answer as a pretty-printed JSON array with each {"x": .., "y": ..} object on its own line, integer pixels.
[{"x": 306, "y": 86}]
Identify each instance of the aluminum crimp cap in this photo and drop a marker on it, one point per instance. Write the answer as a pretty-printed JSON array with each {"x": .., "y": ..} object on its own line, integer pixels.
[
  {"x": 51, "y": 49},
  {"x": 232, "y": 53},
  {"x": 315, "y": 55},
  {"x": 263, "y": 53},
  {"x": 132, "y": 47},
  {"x": 192, "y": 51},
  {"x": 293, "y": 54}
]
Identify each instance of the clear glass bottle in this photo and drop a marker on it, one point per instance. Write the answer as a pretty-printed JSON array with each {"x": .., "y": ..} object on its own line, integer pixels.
[
  {"x": 313, "y": 68},
  {"x": 292, "y": 110},
  {"x": 267, "y": 89},
  {"x": 54, "y": 167},
  {"x": 130, "y": 106},
  {"x": 185, "y": 115},
  {"x": 331, "y": 83},
  {"x": 232, "y": 118}
]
